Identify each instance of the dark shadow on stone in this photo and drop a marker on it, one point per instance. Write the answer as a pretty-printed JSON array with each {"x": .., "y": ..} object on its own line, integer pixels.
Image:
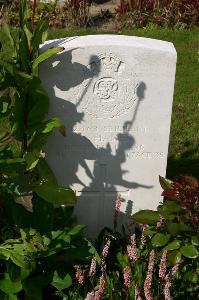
[{"x": 65, "y": 74}]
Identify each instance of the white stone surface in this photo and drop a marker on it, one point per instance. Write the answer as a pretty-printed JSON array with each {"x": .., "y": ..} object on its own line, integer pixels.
[{"x": 114, "y": 94}]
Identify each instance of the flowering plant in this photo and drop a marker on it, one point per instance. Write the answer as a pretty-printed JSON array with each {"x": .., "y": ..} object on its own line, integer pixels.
[
  {"x": 173, "y": 232},
  {"x": 155, "y": 261}
]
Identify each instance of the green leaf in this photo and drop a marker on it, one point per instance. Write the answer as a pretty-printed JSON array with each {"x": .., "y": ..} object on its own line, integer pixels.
[
  {"x": 146, "y": 217},
  {"x": 32, "y": 159},
  {"x": 176, "y": 228},
  {"x": 37, "y": 142},
  {"x": 173, "y": 245},
  {"x": 191, "y": 276},
  {"x": 24, "y": 52},
  {"x": 5, "y": 252},
  {"x": 14, "y": 271},
  {"x": 122, "y": 259},
  {"x": 149, "y": 232},
  {"x": 60, "y": 283},
  {"x": 6, "y": 31},
  {"x": 38, "y": 105},
  {"x": 17, "y": 120},
  {"x": 28, "y": 35},
  {"x": 195, "y": 240},
  {"x": 10, "y": 164},
  {"x": 18, "y": 259},
  {"x": 174, "y": 257},
  {"x": 25, "y": 273},
  {"x": 160, "y": 239},
  {"x": 171, "y": 206},
  {"x": 93, "y": 251},
  {"x": 22, "y": 79},
  {"x": 12, "y": 297},
  {"x": 189, "y": 251},
  {"x": 45, "y": 172},
  {"x": 165, "y": 183},
  {"x": 10, "y": 287},
  {"x": 40, "y": 35},
  {"x": 32, "y": 289},
  {"x": 45, "y": 55},
  {"x": 56, "y": 195},
  {"x": 49, "y": 125},
  {"x": 23, "y": 10},
  {"x": 4, "y": 107},
  {"x": 76, "y": 230}
]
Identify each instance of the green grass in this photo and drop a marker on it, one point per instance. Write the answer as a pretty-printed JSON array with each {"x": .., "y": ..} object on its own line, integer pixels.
[{"x": 184, "y": 138}]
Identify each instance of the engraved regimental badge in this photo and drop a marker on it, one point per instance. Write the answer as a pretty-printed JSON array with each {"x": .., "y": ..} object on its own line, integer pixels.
[{"x": 110, "y": 87}]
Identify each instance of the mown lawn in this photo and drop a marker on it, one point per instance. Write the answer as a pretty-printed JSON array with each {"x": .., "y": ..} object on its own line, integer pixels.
[{"x": 184, "y": 138}]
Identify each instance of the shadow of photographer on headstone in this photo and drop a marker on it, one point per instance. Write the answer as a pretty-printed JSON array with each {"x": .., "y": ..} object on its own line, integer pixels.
[{"x": 74, "y": 151}]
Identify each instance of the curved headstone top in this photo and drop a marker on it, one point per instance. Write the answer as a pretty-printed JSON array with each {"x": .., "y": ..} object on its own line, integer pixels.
[
  {"x": 112, "y": 39},
  {"x": 114, "y": 94}
]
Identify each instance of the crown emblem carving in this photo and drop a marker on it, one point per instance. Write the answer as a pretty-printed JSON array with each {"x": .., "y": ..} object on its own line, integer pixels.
[{"x": 109, "y": 61}]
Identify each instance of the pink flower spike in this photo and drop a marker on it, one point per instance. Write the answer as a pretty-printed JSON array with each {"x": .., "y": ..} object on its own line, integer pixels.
[
  {"x": 167, "y": 293},
  {"x": 79, "y": 275},
  {"x": 90, "y": 296},
  {"x": 118, "y": 203},
  {"x": 100, "y": 292},
  {"x": 102, "y": 284},
  {"x": 151, "y": 261},
  {"x": 149, "y": 277},
  {"x": 104, "y": 255},
  {"x": 160, "y": 222},
  {"x": 98, "y": 296},
  {"x": 163, "y": 265},
  {"x": 129, "y": 252},
  {"x": 143, "y": 239},
  {"x": 106, "y": 249},
  {"x": 133, "y": 247},
  {"x": 93, "y": 265},
  {"x": 175, "y": 269},
  {"x": 127, "y": 276}
]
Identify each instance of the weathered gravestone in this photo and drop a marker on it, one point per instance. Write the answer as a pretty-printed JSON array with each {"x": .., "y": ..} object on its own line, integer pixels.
[{"x": 114, "y": 95}]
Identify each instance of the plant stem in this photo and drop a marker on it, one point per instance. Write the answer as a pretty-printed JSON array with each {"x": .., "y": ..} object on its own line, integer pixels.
[
  {"x": 20, "y": 15},
  {"x": 33, "y": 14}
]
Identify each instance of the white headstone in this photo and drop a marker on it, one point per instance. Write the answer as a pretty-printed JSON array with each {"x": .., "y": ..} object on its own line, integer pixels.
[{"x": 114, "y": 94}]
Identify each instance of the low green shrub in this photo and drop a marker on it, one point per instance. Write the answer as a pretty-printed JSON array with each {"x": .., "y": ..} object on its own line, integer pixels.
[{"x": 39, "y": 243}]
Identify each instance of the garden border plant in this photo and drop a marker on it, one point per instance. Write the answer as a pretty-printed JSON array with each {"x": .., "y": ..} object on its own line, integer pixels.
[
  {"x": 39, "y": 244},
  {"x": 159, "y": 260}
]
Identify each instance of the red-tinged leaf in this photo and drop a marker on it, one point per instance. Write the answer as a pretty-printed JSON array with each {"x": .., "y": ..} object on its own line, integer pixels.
[
  {"x": 169, "y": 193},
  {"x": 187, "y": 179},
  {"x": 176, "y": 185}
]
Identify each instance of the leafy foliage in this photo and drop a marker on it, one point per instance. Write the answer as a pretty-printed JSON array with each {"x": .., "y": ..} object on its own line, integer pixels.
[
  {"x": 71, "y": 13},
  {"x": 39, "y": 242},
  {"x": 177, "y": 231},
  {"x": 25, "y": 103},
  {"x": 158, "y": 257}
]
